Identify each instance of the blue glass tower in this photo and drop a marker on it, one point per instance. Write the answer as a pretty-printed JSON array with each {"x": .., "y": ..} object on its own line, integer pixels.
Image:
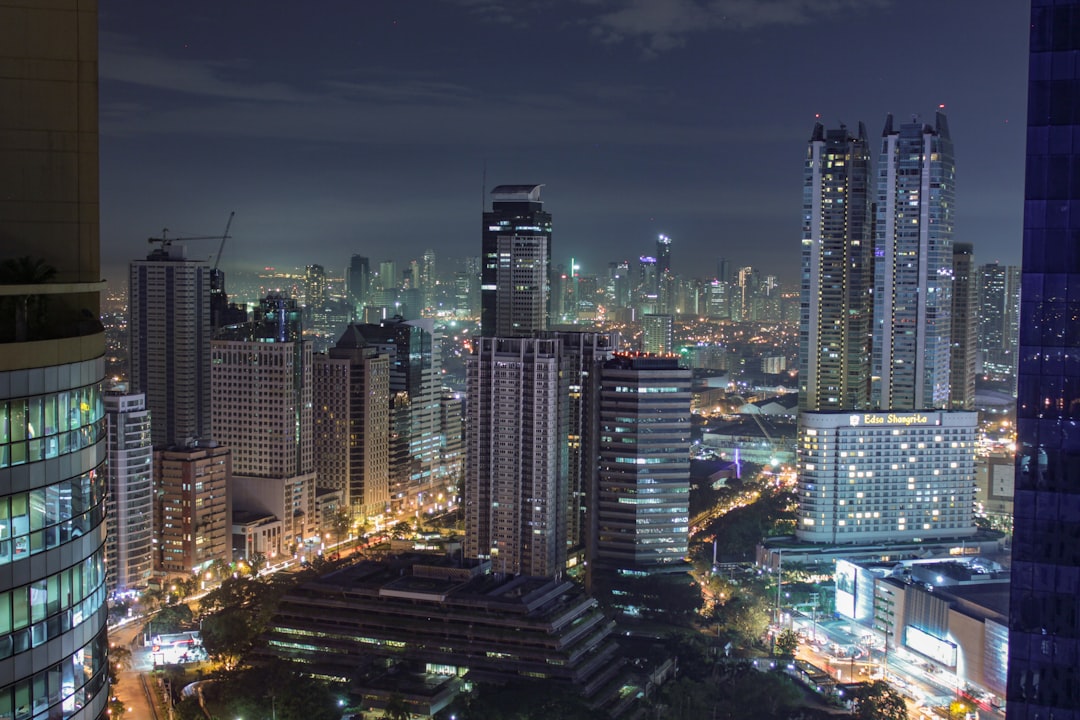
[{"x": 1044, "y": 613}]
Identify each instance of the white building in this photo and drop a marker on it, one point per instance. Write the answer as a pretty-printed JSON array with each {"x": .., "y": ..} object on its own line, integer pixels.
[
  {"x": 886, "y": 476},
  {"x": 263, "y": 412},
  {"x": 129, "y": 549}
]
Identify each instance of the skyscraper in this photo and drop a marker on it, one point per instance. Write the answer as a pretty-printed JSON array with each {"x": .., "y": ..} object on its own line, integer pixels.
[
  {"x": 263, "y": 412},
  {"x": 415, "y": 355},
  {"x": 358, "y": 280},
  {"x": 515, "y": 283},
  {"x": 663, "y": 255},
  {"x": 53, "y": 641},
  {"x": 642, "y": 506},
  {"x": 130, "y": 471},
  {"x": 998, "y": 322},
  {"x": 170, "y": 332},
  {"x": 583, "y": 354},
  {"x": 962, "y": 359},
  {"x": 352, "y": 422},
  {"x": 1044, "y": 625},
  {"x": 913, "y": 267},
  {"x": 515, "y": 491},
  {"x": 834, "y": 332}
]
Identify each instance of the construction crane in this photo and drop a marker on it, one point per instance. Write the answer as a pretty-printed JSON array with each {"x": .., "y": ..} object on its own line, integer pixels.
[{"x": 166, "y": 241}]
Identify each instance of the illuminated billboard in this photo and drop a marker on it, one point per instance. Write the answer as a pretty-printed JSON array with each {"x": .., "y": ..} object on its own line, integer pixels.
[{"x": 845, "y": 588}]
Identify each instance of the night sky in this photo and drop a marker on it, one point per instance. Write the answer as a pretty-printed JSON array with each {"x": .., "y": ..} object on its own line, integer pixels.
[{"x": 364, "y": 126}]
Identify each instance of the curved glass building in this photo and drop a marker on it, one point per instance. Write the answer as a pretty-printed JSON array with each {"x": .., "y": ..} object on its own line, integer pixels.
[{"x": 53, "y": 643}]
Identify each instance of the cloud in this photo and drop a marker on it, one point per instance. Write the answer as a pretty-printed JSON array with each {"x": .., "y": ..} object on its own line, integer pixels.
[
  {"x": 662, "y": 25},
  {"x": 120, "y": 61}
]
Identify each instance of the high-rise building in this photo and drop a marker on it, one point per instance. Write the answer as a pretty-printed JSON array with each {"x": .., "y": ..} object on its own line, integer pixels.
[
  {"x": 170, "y": 333},
  {"x": 53, "y": 644},
  {"x": 263, "y": 412},
  {"x": 647, "y": 291},
  {"x": 962, "y": 361},
  {"x": 663, "y": 254},
  {"x": 998, "y": 324},
  {"x": 657, "y": 334},
  {"x": 192, "y": 507},
  {"x": 515, "y": 283},
  {"x": 583, "y": 354},
  {"x": 427, "y": 278},
  {"x": 642, "y": 507},
  {"x": 388, "y": 275},
  {"x": 352, "y": 423},
  {"x": 315, "y": 290},
  {"x": 515, "y": 491},
  {"x": 358, "y": 280},
  {"x": 129, "y": 546},
  {"x": 742, "y": 304},
  {"x": 415, "y": 352},
  {"x": 837, "y": 272},
  {"x": 1044, "y": 627},
  {"x": 912, "y": 327}
]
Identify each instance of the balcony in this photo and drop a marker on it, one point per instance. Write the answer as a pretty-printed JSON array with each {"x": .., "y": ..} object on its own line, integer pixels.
[{"x": 33, "y": 312}]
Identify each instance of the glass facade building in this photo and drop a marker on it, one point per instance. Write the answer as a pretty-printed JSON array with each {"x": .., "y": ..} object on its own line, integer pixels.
[
  {"x": 515, "y": 286},
  {"x": 1044, "y": 622},
  {"x": 53, "y": 641}
]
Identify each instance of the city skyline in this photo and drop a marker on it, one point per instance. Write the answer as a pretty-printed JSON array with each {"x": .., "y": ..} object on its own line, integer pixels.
[{"x": 349, "y": 131}]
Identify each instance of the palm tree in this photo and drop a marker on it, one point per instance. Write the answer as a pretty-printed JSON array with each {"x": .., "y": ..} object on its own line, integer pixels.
[{"x": 26, "y": 270}]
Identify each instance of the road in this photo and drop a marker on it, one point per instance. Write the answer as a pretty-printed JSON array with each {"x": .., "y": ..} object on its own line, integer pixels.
[{"x": 132, "y": 683}]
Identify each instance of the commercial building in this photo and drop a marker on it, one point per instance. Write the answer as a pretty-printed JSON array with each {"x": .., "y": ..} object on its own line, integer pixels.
[
  {"x": 912, "y": 328},
  {"x": 448, "y": 620},
  {"x": 53, "y": 643},
  {"x": 192, "y": 507},
  {"x": 129, "y": 546},
  {"x": 516, "y": 490},
  {"x": 1044, "y": 626},
  {"x": 948, "y": 617},
  {"x": 170, "y": 332},
  {"x": 352, "y": 423},
  {"x": 885, "y": 476},
  {"x": 515, "y": 283},
  {"x": 642, "y": 506},
  {"x": 358, "y": 281},
  {"x": 834, "y": 331},
  {"x": 263, "y": 412}
]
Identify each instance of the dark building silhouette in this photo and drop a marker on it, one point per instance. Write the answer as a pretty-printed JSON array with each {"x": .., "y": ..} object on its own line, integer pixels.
[
  {"x": 1044, "y": 612},
  {"x": 515, "y": 286}
]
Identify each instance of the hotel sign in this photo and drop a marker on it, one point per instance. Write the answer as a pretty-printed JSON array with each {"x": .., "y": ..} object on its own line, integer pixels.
[{"x": 892, "y": 419}]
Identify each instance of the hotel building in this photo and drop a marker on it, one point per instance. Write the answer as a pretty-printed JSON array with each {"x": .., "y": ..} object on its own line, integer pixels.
[{"x": 886, "y": 476}]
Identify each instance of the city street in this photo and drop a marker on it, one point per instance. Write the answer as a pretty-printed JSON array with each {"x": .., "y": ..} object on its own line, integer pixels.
[{"x": 134, "y": 685}]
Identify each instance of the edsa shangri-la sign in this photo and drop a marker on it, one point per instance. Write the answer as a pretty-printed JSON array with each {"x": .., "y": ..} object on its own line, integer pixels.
[{"x": 892, "y": 419}]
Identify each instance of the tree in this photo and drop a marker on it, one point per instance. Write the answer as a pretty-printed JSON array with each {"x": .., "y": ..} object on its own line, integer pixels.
[
  {"x": 228, "y": 635},
  {"x": 173, "y": 618},
  {"x": 878, "y": 701},
  {"x": 400, "y": 530},
  {"x": 787, "y": 642},
  {"x": 396, "y": 709}
]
